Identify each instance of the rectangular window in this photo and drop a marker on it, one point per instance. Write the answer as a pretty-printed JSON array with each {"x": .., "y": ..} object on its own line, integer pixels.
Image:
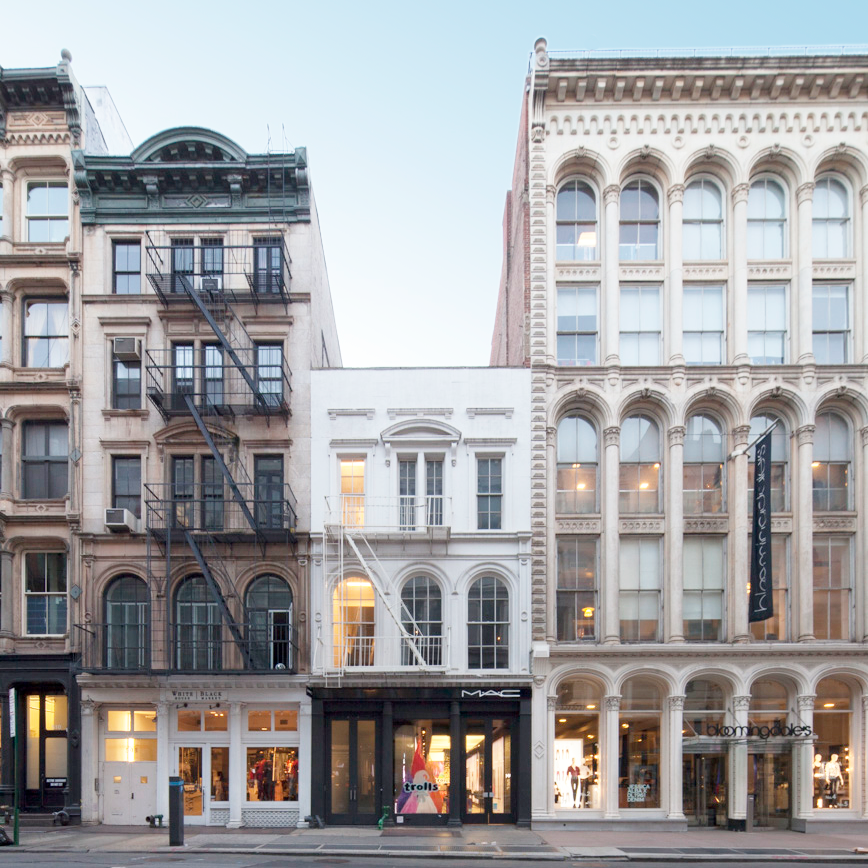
[
  {"x": 577, "y": 325},
  {"x": 47, "y": 211},
  {"x": 640, "y": 325},
  {"x": 640, "y": 600},
  {"x": 127, "y": 484},
  {"x": 183, "y": 372},
  {"x": 46, "y": 334},
  {"x": 268, "y": 265},
  {"x": 832, "y": 584},
  {"x": 767, "y": 331},
  {"x": 776, "y": 629},
  {"x": 183, "y": 490},
  {"x": 577, "y": 589},
  {"x": 212, "y": 356},
  {"x": 127, "y": 275},
  {"x": 434, "y": 492},
  {"x": 212, "y": 494},
  {"x": 831, "y": 323},
  {"x": 44, "y": 460},
  {"x": 407, "y": 495},
  {"x": 126, "y": 385},
  {"x": 183, "y": 258},
  {"x": 703, "y": 589},
  {"x": 703, "y": 325},
  {"x": 353, "y": 492},
  {"x": 489, "y": 493},
  {"x": 212, "y": 261},
  {"x": 271, "y": 509},
  {"x": 272, "y": 774},
  {"x": 269, "y": 373},
  {"x": 45, "y": 593}
]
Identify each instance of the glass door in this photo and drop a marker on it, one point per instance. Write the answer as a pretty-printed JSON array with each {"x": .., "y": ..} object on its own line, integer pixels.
[
  {"x": 704, "y": 788},
  {"x": 45, "y": 752},
  {"x": 190, "y": 772},
  {"x": 353, "y": 770},
  {"x": 769, "y": 781},
  {"x": 487, "y": 750}
]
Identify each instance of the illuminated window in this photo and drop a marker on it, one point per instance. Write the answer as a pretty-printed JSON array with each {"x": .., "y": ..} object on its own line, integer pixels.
[
  {"x": 703, "y": 466},
  {"x": 640, "y": 466},
  {"x": 353, "y": 623},
  {"x": 353, "y": 491},
  {"x": 577, "y": 467},
  {"x": 577, "y": 588},
  {"x": 831, "y": 464}
]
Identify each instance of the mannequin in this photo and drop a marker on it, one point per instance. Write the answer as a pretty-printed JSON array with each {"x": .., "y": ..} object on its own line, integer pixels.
[
  {"x": 819, "y": 778},
  {"x": 834, "y": 779},
  {"x": 574, "y": 774}
]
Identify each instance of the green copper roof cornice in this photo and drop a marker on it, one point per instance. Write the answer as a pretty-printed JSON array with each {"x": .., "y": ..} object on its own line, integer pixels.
[
  {"x": 193, "y": 175},
  {"x": 50, "y": 88}
]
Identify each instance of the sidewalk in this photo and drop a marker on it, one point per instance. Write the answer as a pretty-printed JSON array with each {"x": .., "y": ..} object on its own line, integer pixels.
[{"x": 483, "y": 842}]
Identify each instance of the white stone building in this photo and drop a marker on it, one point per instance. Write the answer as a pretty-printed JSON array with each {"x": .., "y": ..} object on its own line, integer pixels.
[
  {"x": 420, "y": 595},
  {"x": 686, "y": 262}
]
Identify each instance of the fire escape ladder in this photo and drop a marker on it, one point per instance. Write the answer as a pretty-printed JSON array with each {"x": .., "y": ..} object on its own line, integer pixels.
[{"x": 218, "y": 598}]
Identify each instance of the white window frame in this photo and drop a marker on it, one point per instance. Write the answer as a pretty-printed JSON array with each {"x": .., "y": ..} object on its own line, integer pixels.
[
  {"x": 573, "y": 360},
  {"x": 757, "y": 222},
  {"x": 703, "y": 591},
  {"x": 754, "y": 311},
  {"x": 702, "y": 332},
  {"x": 642, "y": 591},
  {"x": 846, "y": 332},
  {"x": 47, "y": 217},
  {"x": 704, "y": 180},
  {"x": 627, "y": 311},
  {"x": 634, "y": 248},
  {"x": 595, "y": 257},
  {"x": 47, "y": 595},
  {"x": 846, "y": 222}
]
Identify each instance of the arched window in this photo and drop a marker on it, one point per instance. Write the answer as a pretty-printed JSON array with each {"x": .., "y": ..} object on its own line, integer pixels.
[
  {"x": 769, "y": 703},
  {"x": 422, "y": 619},
  {"x": 640, "y": 742},
  {"x": 353, "y": 623},
  {"x": 198, "y": 645},
  {"x": 766, "y": 220},
  {"x": 577, "y": 765},
  {"x": 576, "y": 222},
  {"x": 268, "y": 604},
  {"x": 127, "y": 615},
  {"x": 703, "y": 466},
  {"x": 488, "y": 624},
  {"x": 704, "y": 705},
  {"x": 640, "y": 466},
  {"x": 640, "y": 221},
  {"x": 833, "y": 717},
  {"x": 780, "y": 460},
  {"x": 703, "y": 221},
  {"x": 830, "y": 232},
  {"x": 577, "y": 467},
  {"x": 831, "y": 465}
]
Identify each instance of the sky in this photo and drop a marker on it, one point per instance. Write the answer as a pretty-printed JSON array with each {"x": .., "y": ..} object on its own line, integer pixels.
[{"x": 409, "y": 112}]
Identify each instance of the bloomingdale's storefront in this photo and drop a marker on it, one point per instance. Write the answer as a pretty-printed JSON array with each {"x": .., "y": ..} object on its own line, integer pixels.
[{"x": 776, "y": 757}]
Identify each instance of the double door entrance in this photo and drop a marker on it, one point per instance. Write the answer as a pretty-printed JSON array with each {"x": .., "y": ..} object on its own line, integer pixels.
[
  {"x": 487, "y": 750},
  {"x": 354, "y": 776},
  {"x": 704, "y": 782}
]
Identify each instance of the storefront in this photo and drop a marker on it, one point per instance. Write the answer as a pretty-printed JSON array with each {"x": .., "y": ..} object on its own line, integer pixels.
[{"x": 422, "y": 756}]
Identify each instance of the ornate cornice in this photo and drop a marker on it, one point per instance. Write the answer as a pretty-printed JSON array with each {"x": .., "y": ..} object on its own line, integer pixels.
[
  {"x": 846, "y": 524},
  {"x": 578, "y": 272},
  {"x": 578, "y": 526},
  {"x": 706, "y": 525}
]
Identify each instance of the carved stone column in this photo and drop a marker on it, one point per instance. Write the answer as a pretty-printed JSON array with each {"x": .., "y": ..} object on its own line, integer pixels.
[
  {"x": 863, "y": 198},
  {"x": 164, "y": 760},
  {"x": 89, "y": 763},
  {"x": 737, "y": 784},
  {"x": 673, "y": 573},
  {"x": 803, "y": 774},
  {"x": 7, "y": 300},
  {"x": 676, "y": 275},
  {"x": 611, "y": 291},
  {"x": 551, "y": 276},
  {"x": 611, "y": 539},
  {"x": 863, "y": 738},
  {"x": 544, "y": 759},
  {"x": 740, "y": 567},
  {"x": 803, "y": 605},
  {"x": 306, "y": 748},
  {"x": 738, "y": 342},
  {"x": 861, "y": 595},
  {"x": 7, "y": 464},
  {"x": 7, "y": 179},
  {"x": 7, "y": 594},
  {"x": 803, "y": 266},
  {"x": 609, "y": 758},
  {"x": 551, "y": 532},
  {"x": 675, "y": 772},
  {"x": 237, "y": 767}
]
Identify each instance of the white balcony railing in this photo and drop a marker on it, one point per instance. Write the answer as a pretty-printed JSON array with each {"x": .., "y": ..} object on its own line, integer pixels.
[
  {"x": 403, "y": 514},
  {"x": 386, "y": 652}
]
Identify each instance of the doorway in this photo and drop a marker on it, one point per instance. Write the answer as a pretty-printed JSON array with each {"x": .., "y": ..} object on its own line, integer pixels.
[
  {"x": 769, "y": 782},
  {"x": 353, "y": 797},
  {"x": 488, "y": 761},
  {"x": 45, "y": 751},
  {"x": 704, "y": 788}
]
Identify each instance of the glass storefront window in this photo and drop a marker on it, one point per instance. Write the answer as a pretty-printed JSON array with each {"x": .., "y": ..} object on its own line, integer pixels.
[
  {"x": 55, "y": 713},
  {"x": 577, "y": 747},
  {"x": 119, "y": 721},
  {"x": 216, "y": 721},
  {"x": 131, "y": 750},
  {"x": 145, "y": 721},
  {"x": 704, "y": 763},
  {"x": 189, "y": 721},
  {"x": 124, "y": 720},
  {"x": 219, "y": 774},
  {"x": 272, "y": 774},
  {"x": 768, "y": 703},
  {"x": 639, "y": 745},
  {"x": 831, "y": 767},
  {"x": 286, "y": 720},
  {"x": 423, "y": 757},
  {"x": 258, "y": 720}
]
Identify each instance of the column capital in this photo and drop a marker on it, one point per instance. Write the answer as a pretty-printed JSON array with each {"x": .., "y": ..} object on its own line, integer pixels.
[
  {"x": 676, "y": 435},
  {"x": 741, "y": 434},
  {"x": 87, "y": 707},
  {"x": 550, "y": 194},
  {"x": 805, "y": 193},
  {"x": 611, "y": 194},
  {"x": 613, "y": 703},
  {"x": 551, "y": 702},
  {"x": 806, "y": 434},
  {"x": 676, "y": 702},
  {"x": 6, "y": 294},
  {"x": 551, "y": 435},
  {"x": 6, "y": 174},
  {"x": 740, "y": 193},
  {"x": 675, "y": 194},
  {"x": 865, "y": 702},
  {"x": 741, "y": 703},
  {"x": 612, "y": 435},
  {"x": 864, "y": 433},
  {"x": 863, "y": 195},
  {"x": 805, "y": 701}
]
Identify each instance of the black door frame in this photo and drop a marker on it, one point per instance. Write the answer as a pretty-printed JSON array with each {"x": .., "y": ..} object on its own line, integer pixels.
[
  {"x": 487, "y": 817},
  {"x": 354, "y": 817},
  {"x": 43, "y": 798}
]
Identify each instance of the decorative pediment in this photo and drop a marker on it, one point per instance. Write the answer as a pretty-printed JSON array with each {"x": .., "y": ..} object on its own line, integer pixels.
[
  {"x": 420, "y": 433},
  {"x": 186, "y": 434},
  {"x": 189, "y": 145}
]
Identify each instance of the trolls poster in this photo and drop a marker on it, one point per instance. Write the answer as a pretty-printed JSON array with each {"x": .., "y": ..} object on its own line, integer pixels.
[{"x": 420, "y": 793}]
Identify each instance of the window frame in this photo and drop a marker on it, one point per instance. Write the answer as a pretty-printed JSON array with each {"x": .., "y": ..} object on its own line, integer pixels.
[
  {"x": 48, "y": 217},
  {"x": 641, "y": 289},
  {"x": 119, "y": 244},
  {"x": 500, "y": 646},
  {"x": 576, "y": 222},
  {"x": 754, "y": 289},
  {"x": 49, "y": 301},
  {"x": 655, "y": 465},
  {"x": 641, "y": 591},
  {"x": 137, "y": 628},
  {"x": 640, "y": 181},
  {"x": 702, "y": 181},
  {"x": 430, "y": 629},
  {"x": 575, "y": 361},
  {"x": 701, "y": 333},
  {"x": 575, "y": 464},
  {"x": 766, "y": 221},
  {"x": 780, "y": 593},
  {"x": 846, "y": 222},
  {"x": 45, "y": 594},
  {"x": 819, "y": 461},
  {"x": 567, "y": 545},
  {"x": 827, "y": 540},
  {"x": 846, "y": 333},
  {"x": 707, "y": 467},
  {"x": 45, "y": 459},
  {"x": 261, "y": 628},
  {"x": 780, "y": 501},
  {"x": 702, "y": 591},
  {"x": 490, "y": 492},
  {"x": 212, "y": 644}
]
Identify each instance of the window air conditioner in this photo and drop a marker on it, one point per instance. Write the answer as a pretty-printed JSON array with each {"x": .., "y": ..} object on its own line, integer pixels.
[
  {"x": 121, "y": 521},
  {"x": 127, "y": 349},
  {"x": 210, "y": 283}
]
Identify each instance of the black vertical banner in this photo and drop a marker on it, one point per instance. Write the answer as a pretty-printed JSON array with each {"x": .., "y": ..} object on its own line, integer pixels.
[{"x": 760, "y": 606}]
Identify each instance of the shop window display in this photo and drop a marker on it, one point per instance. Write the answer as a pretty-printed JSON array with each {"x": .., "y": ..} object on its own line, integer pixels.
[
  {"x": 423, "y": 765},
  {"x": 831, "y": 768},
  {"x": 639, "y": 745},
  {"x": 577, "y": 747},
  {"x": 272, "y": 774}
]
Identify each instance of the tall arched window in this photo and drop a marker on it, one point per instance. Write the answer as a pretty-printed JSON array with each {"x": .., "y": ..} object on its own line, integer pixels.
[
  {"x": 833, "y": 716},
  {"x": 576, "y": 222},
  {"x": 488, "y": 624},
  {"x": 422, "y": 619},
  {"x": 127, "y": 615},
  {"x": 353, "y": 623},
  {"x": 577, "y": 467},
  {"x": 198, "y": 643},
  {"x": 766, "y": 220},
  {"x": 268, "y": 604},
  {"x": 640, "y": 221},
  {"x": 577, "y": 756},
  {"x": 831, "y": 465},
  {"x": 703, "y": 466},
  {"x": 705, "y": 774},
  {"x": 640, "y": 466},
  {"x": 830, "y": 232},
  {"x": 703, "y": 221},
  {"x": 640, "y": 743},
  {"x": 780, "y": 461}
]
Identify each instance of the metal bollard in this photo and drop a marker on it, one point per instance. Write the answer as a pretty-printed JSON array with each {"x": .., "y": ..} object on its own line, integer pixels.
[
  {"x": 176, "y": 812},
  {"x": 748, "y": 819}
]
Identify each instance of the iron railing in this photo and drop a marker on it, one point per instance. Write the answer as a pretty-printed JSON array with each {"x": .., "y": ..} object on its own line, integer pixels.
[{"x": 402, "y": 514}]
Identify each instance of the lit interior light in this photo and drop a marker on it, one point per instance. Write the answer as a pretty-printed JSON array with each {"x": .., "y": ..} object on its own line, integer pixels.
[
  {"x": 580, "y": 486},
  {"x": 625, "y": 725},
  {"x": 587, "y": 239},
  {"x": 562, "y": 720},
  {"x": 576, "y": 466},
  {"x": 590, "y": 707},
  {"x": 657, "y": 466},
  {"x": 643, "y": 485},
  {"x": 352, "y": 584},
  {"x": 828, "y": 705},
  {"x": 588, "y": 612},
  {"x": 816, "y": 464}
]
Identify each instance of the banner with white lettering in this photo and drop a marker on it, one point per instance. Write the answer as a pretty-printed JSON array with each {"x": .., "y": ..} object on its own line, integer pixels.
[{"x": 760, "y": 605}]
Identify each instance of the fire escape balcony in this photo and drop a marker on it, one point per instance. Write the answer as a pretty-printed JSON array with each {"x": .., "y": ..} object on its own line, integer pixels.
[{"x": 406, "y": 516}]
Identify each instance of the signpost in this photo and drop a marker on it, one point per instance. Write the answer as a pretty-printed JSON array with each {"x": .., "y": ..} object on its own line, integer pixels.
[{"x": 13, "y": 732}]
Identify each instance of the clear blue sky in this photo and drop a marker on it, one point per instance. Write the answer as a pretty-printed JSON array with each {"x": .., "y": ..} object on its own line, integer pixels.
[{"x": 408, "y": 110}]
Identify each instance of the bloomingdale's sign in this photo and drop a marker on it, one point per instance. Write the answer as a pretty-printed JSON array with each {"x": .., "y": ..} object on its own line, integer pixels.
[{"x": 776, "y": 730}]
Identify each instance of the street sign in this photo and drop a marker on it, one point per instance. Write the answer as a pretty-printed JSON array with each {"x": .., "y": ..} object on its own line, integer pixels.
[{"x": 12, "y": 729}]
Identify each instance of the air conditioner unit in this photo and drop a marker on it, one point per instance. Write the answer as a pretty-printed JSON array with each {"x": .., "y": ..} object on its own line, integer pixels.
[
  {"x": 127, "y": 349},
  {"x": 121, "y": 521},
  {"x": 210, "y": 283}
]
